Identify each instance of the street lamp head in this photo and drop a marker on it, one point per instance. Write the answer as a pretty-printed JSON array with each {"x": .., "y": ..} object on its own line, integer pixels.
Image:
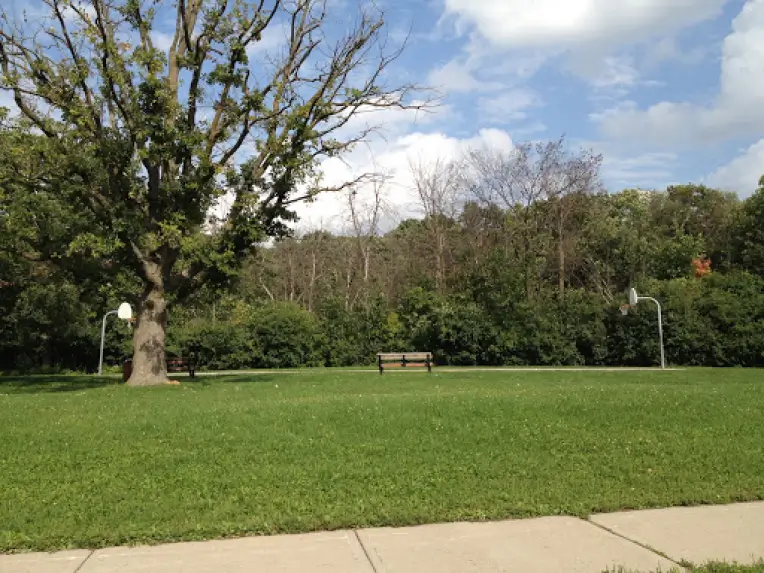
[
  {"x": 633, "y": 298},
  {"x": 125, "y": 311}
]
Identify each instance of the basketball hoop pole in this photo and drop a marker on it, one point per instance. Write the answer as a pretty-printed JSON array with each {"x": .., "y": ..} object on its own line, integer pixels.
[
  {"x": 125, "y": 312},
  {"x": 634, "y": 299},
  {"x": 103, "y": 335},
  {"x": 660, "y": 327}
]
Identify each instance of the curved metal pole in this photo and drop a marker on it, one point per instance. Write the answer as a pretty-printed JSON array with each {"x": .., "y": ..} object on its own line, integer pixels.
[
  {"x": 103, "y": 334},
  {"x": 660, "y": 326}
]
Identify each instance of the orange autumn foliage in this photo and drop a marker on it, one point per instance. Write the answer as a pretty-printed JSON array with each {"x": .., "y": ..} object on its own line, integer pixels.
[{"x": 702, "y": 267}]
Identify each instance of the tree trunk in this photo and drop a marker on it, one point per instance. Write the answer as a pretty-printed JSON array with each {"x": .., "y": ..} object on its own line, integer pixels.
[
  {"x": 348, "y": 284},
  {"x": 440, "y": 276},
  {"x": 366, "y": 257},
  {"x": 312, "y": 284},
  {"x": 561, "y": 260},
  {"x": 149, "y": 363},
  {"x": 291, "y": 278}
]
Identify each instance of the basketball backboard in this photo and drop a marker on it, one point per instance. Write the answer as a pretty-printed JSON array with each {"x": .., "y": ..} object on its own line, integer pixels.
[{"x": 633, "y": 298}]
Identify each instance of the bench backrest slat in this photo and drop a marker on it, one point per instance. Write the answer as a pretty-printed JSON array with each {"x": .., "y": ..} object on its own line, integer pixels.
[{"x": 402, "y": 355}]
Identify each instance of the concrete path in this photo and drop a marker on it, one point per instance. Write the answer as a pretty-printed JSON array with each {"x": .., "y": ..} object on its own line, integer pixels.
[
  {"x": 436, "y": 369},
  {"x": 640, "y": 541},
  {"x": 695, "y": 534}
]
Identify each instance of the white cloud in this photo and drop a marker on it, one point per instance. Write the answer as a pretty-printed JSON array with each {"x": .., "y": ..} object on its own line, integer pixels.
[
  {"x": 738, "y": 109},
  {"x": 509, "y": 106},
  {"x": 329, "y": 210},
  {"x": 161, "y": 40},
  {"x": 570, "y": 23},
  {"x": 275, "y": 36},
  {"x": 643, "y": 170},
  {"x": 622, "y": 168},
  {"x": 742, "y": 174},
  {"x": 587, "y": 33},
  {"x": 456, "y": 76},
  {"x": 616, "y": 72},
  {"x": 482, "y": 69},
  {"x": 390, "y": 122},
  {"x": 667, "y": 49},
  {"x": 6, "y": 101}
]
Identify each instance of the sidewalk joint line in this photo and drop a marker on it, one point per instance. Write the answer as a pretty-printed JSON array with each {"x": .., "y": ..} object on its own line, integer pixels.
[
  {"x": 635, "y": 542},
  {"x": 365, "y": 551},
  {"x": 81, "y": 565}
]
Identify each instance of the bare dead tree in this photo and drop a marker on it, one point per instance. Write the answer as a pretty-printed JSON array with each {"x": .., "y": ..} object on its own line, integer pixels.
[
  {"x": 366, "y": 205},
  {"x": 438, "y": 185},
  {"x": 313, "y": 262},
  {"x": 521, "y": 179},
  {"x": 567, "y": 178}
]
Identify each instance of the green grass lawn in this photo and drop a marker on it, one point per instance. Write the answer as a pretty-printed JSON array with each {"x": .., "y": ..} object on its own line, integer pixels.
[
  {"x": 88, "y": 463},
  {"x": 712, "y": 568},
  {"x": 730, "y": 568}
]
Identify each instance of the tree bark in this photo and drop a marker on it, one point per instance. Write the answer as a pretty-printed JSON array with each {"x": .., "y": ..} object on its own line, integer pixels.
[
  {"x": 348, "y": 283},
  {"x": 149, "y": 363},
  {"x": 561, "y": 259},
  {"x": 312, "y": 284}
]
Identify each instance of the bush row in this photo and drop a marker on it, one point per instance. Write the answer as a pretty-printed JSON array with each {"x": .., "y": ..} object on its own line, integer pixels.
[{"x": 716, "y": 321}]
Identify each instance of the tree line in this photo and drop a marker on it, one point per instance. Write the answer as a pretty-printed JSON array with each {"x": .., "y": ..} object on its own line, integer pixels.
[
  {"x": 520, "y": 258},
  {"x": 166, "y": 173}
]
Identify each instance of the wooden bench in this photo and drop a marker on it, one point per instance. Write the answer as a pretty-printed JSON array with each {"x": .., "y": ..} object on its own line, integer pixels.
[
  {"x": 179, "y": 364},
  {"x": 404, "y": 360}
]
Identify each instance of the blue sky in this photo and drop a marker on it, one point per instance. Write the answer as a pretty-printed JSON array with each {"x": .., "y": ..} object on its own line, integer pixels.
[{"x": 669, "y": 92}]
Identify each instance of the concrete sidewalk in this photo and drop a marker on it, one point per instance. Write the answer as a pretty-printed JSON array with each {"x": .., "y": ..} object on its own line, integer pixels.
[{"x": 640, "y": 540}]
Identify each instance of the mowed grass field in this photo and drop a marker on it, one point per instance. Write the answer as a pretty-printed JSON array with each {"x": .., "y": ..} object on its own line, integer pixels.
[
  {"x": 89, "y": 463},
  {"x": 709, "y": 568}
]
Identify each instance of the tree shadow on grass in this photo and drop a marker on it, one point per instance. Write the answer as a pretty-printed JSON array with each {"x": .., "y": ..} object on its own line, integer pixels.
[
  {"x": 211, "y": 380},
  {"x": 41, "y": 384}
]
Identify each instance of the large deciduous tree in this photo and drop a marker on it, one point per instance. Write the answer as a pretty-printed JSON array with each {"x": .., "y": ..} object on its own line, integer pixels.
[
  {"x": 152, "y": 113},
  {"x": 749, "y": 234}
]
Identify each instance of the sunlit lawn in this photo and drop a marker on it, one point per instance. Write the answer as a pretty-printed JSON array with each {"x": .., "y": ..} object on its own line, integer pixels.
[
  {"x": 87, "y": 463},
  {"x": 714, "y": 568}
]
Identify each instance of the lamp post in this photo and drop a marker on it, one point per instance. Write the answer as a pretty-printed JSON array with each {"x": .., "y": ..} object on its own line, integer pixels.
[
  {"x": 634, "y": 298},
  {"x": 125, "y": 312}
]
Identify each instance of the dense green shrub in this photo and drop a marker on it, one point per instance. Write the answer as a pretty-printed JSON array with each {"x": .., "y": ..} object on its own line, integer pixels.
[
  {"x": 219, "y": 346},
  {"x": 285, "y": 336},
  {"x": 353, "y": 337},
  {"x": 456, "y": 330}
]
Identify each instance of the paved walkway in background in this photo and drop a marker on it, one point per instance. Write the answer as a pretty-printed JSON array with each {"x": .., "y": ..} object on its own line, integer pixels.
[
  {"x": 436, "y": 369},
  {"x": 639, "y": 540}
]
